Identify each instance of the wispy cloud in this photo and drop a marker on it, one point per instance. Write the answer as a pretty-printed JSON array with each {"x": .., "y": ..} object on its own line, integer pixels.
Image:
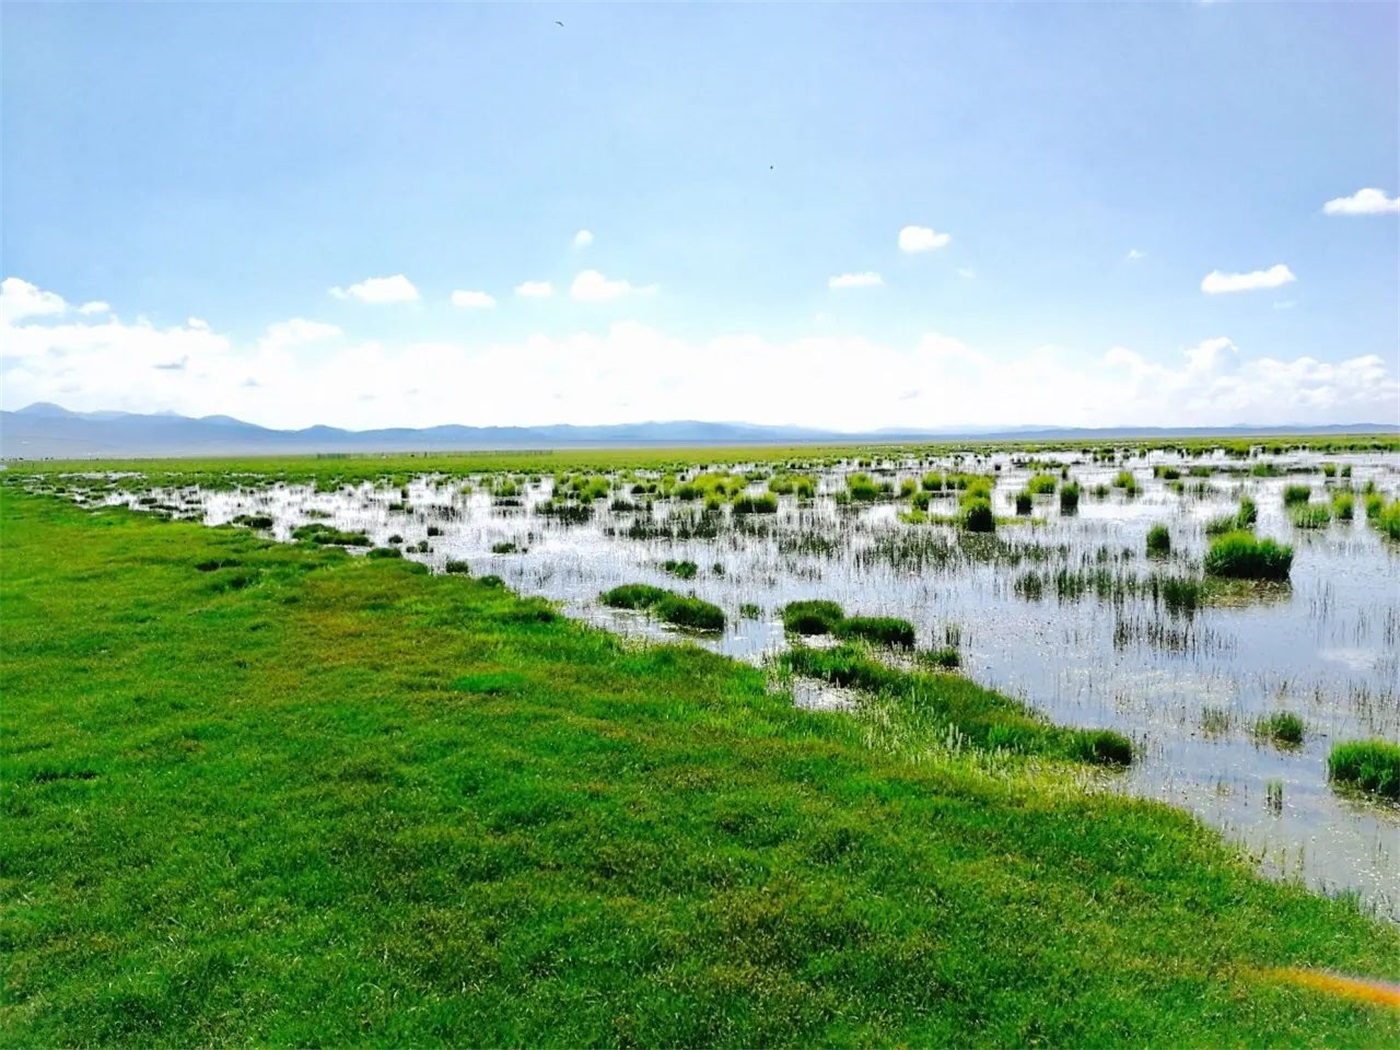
[
  {"x": 855, "y": 280},
  {"x": 534, "y": 289},
  {"x": 583, "y": 239},
  {"x": 1363, "y": 202},
  {"x": 1134, "y": 255},
  {"x": 1215, "y": 282},
  {"x": 922, "y": 239},
  {"x": 395, "y": 289}
]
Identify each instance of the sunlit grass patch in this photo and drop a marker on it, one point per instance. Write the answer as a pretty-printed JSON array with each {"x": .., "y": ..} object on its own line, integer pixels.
[{"x": 1370, "y": 765}]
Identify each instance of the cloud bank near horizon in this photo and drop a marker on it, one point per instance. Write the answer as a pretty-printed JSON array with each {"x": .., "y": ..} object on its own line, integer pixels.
[{"x": 301, "y": 371}]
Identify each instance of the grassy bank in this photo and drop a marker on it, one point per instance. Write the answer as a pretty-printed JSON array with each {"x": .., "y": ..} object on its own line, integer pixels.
[{"x": 257, "y": 792}]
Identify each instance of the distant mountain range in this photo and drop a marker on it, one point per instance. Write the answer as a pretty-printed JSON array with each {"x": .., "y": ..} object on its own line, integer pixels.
[{"x": 44, "y": 430}]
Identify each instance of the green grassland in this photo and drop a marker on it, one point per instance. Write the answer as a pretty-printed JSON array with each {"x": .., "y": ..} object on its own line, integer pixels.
[{"x": 281, "y": 794}]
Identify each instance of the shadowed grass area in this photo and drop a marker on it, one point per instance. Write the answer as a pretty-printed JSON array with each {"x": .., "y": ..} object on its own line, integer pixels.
[
  {"x": 814, "y": 616},
  {"x": 1371, "y": 765},
  {"x": 354, "y": 803}
]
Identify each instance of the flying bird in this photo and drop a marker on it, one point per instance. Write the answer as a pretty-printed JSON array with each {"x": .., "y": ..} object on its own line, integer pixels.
[{"x": 559, "y": 23}]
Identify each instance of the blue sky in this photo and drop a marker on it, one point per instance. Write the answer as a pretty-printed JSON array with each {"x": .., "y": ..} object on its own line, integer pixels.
[{"x": 233, "y": 163}]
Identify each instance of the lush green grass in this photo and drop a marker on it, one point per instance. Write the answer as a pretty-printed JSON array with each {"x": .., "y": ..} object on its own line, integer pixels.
[
  {"x": 1371, "y": 765},
  {"x": 1042, "y": 484},
  {"x": 1069, "y": 497},
  {"x": 354, "y": 803},
  {"x": 1242, "y": 555},
  {"x": 1295, "y": 494}
]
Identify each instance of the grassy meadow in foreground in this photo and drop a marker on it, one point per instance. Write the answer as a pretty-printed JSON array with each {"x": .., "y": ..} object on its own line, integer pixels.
[{"x": 278, "y": 793}]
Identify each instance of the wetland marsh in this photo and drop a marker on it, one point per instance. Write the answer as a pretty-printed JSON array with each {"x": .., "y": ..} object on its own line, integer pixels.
[{"x": 1064, "y": 604}]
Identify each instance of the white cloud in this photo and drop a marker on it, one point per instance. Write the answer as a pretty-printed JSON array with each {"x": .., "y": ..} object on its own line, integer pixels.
[
  {"x": 966, "y": 272},
  {"x": 583, "y": 239},
  {"x": 534, "y": 289},
  {"x": 855, "y": 280},
  {"x": 1134, "y": 255},
  {"x": 472, "y": 300},
  {"x": 395, "y": 289},
  {"x": 20, "y": 299},
  {"x": 297, "y": 332},
  {"x": 922, "y": 239},
  {"x": 629, "y": 371},
  {"x": 1363, "y": 202},
  {"x": 1215, "y": 282},
  {"x": 195, "y": 322},
  {"x": 97, "y": 306},
  {"x": 590, "y": 286}
]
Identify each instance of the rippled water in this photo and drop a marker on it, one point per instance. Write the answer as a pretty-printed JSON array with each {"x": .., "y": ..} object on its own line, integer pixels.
[{"x": 1187, "y": 688}]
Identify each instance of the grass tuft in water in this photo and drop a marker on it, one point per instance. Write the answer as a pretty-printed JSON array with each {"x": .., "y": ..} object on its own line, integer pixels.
[
  {"x": 977, "y": 516},
  {"x": 689, "y": 611},
  {"x": 883, "y": 630},
  {"x": 1282, "y": 727},
  {"x": 682, "y": 570},
  {"x": 812, "y": 616},
  {"x": 1370, "y": 765},
  {"x": 1294, "y": 494},
  {"x": 1069, "y": 497},
  {"x": 633, "y": 596},
  {"x": 1159, "y": 540},
  {"x": 1242, "y": 555}
]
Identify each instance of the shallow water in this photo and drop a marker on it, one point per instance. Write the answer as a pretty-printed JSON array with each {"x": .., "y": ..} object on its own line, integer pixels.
[{"x": 1187, "y": 687}]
